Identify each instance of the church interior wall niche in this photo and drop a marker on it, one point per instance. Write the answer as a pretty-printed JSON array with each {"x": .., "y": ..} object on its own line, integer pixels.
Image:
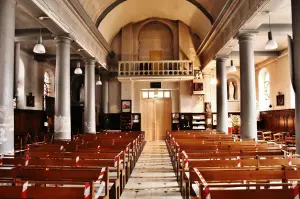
[{"x": 232, "y": 90}]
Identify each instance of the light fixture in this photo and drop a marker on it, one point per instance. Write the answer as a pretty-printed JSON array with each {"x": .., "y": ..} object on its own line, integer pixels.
[
  {"x": 39, "y": 48},
  {"x": 271, "y": 44},
  {"x": 78, "y": 70},
  {"x": 98, "y": 82},
  {"x": 43, "y": 17},
  {"x": 213, "y": 79},
  {"x": 232, "y": 67}
]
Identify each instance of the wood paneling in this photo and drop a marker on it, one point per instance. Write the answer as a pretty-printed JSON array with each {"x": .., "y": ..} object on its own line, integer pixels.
[
  {"x": 30, "y": 121},
  {"x": 278, "y": 120}
]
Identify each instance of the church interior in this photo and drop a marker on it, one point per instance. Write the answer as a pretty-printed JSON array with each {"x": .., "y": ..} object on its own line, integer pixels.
[{"x": 149, "y": 99}]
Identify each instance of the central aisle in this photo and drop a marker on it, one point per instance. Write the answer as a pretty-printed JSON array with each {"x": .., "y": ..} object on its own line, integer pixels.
[{"x": 153, "y": 176}]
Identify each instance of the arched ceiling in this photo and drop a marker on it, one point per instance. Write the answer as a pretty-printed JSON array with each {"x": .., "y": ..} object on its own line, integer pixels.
[{"x": 112, "y": 15}]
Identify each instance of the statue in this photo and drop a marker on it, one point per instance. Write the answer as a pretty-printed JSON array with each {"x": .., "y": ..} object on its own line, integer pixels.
[
  {"x": 231, "y": 91},
  {"x": 81, "y": 94}
]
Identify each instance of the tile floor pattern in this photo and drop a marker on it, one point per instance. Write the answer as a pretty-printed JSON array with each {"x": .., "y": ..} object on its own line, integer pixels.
[{"x": 153, "y": 176}]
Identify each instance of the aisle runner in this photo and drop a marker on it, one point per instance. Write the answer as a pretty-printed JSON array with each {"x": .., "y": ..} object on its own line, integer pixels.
[{"x": 153, "y": 176}]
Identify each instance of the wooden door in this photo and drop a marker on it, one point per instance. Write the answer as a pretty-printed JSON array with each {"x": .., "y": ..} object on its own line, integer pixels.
[
  {"x": 155, "y": 55},
  {"x": 163, "y": 118},
  {"x": 148, "y": 118}
]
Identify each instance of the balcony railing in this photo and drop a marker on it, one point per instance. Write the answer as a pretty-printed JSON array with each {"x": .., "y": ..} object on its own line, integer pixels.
[{"x": 155, "y": 68}]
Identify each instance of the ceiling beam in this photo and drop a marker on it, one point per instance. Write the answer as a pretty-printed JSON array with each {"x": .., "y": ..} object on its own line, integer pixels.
[
  {"x": 275, "y": 28},
  {"x": 47, "y": 57},
  {"x": 259, "y": 53},
  {"x": 32, "y": 34}
]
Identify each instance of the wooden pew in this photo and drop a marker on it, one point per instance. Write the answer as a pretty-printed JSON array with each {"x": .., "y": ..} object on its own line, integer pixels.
[{"x": 63, "y": 179}]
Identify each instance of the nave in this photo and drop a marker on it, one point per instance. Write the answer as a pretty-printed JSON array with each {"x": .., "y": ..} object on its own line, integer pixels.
[{"x": 153, "y": 176}]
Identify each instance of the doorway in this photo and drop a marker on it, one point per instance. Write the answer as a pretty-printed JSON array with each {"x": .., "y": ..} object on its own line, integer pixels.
[{"x": 156, "y": 117}]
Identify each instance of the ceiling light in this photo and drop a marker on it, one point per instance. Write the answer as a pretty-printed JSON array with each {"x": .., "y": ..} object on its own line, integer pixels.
[
  {"x": 271, "y": 44},
  {"x": 43, "y": 17},
  {"x": 98, "y": 83},
  {"x": 78, "y": 70},
  {"x": 213, "y": 80},
  {"x": 39, "y": 48},
  {"x": 232, "y": 67}
]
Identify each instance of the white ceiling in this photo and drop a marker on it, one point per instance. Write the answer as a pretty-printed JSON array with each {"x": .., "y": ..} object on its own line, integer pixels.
[{"x": 280, "y": 14}]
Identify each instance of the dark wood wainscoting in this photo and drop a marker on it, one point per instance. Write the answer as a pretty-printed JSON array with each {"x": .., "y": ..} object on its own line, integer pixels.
[
  {"x": 278, "y": 120},
  {"x": 30, "y": 121}
]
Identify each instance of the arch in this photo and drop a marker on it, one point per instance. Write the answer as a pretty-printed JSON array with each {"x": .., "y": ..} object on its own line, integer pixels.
[
  {"x": 155, "y": 35},
  {"x": 107, "y": 11},
  {"x": 125, "y": 13},
  {"x": 264, "y": 89},
  {"x": 118, "y": 2}
]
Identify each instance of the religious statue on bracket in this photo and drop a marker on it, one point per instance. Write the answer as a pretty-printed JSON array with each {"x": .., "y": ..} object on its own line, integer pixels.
[
  {"x": 231, "y": 90},
  {"x": 81, "y": 94}
]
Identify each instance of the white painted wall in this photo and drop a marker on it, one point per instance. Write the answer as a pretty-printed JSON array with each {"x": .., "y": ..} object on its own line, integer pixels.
[
  {"x": 30, "y": 78},
  {"x": 279, "y": 82},
  {"x": 114, "y": 96},
  {"x": 182, "y": 99}
]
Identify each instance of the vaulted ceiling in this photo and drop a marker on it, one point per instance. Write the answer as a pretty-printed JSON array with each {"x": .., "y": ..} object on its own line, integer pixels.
[{"x": 111, "y": 15}]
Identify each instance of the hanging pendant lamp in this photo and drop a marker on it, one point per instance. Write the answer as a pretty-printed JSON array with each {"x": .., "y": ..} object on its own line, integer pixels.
[
  {"x": 232, "y": 67},
  {"x": 78, "y": 70},
  {"x": 39, "y": 48},
  {"x": 213, "y": 79},
  {"x": 271, "y": 43},
  {"x": 98, "y": 82}
]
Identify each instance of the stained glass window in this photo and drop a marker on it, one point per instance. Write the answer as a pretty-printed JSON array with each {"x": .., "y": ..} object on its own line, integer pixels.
[{"x": 47, "y": 89}]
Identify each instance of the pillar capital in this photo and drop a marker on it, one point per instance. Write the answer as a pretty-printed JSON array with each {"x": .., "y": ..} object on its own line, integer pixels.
[
  {"x": 221, "y": 58},
  {"x": 246, "y": 35},
  {"x": 63, "y": 39},
  {"x": 89, "y": 60}
]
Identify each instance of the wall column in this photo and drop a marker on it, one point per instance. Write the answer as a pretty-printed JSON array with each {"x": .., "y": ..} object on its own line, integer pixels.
[
  {"x": 16, "y": 66},
  {"x": 62, "y": 120},
  {"x": 7, "y": 37},
  {"x": 247, "y": 75},
  {"x": 89, "y": 96},
  {"x": 296, "y": 42},
  {"x": 222, "y": 107},
  {"x": 105, "y": 96}
]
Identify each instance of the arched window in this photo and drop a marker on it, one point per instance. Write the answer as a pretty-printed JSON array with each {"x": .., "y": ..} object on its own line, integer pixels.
[
  {"x": 267, "y": 88},
  {"x": 264, "y": 89},
  {"x": 47, "y": 87}
]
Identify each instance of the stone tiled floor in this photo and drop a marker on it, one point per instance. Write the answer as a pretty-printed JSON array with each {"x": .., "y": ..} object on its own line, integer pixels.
[{"x": 153, "y": 176}]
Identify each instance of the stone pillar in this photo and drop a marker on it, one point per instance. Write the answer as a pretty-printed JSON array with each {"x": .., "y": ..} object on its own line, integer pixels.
[
  {"x": 105, "y": 96},
  {"x": 62, "y": 120},
  {"x": 248, "y": 98},
  {"x": 17, "y": 65},
  {"x": 89, "y": 97},
  {"x": 7, "y": 37},
  {"x": 296, "y": 57},
  {"x": 222, "y": 107}
]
